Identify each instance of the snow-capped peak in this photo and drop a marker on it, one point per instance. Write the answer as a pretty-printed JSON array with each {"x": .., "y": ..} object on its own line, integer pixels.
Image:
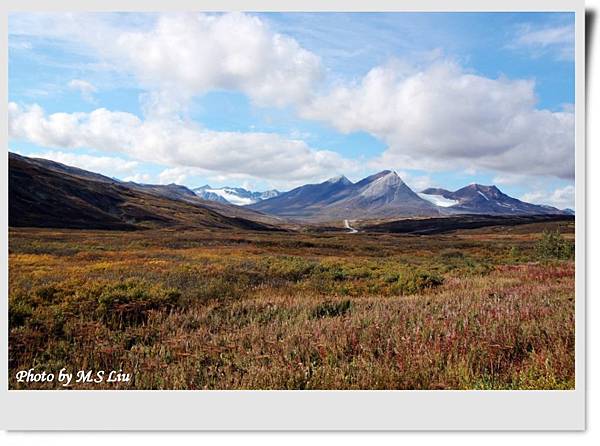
[{"x": 233, "y": 195}]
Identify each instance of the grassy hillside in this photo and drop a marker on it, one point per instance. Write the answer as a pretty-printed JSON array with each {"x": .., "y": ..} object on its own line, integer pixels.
[{"x": 44, "y": 197}]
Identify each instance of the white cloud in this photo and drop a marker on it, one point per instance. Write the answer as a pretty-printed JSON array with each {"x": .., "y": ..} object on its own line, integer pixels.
[
  {"x": 177, "y": 175},
  {"x": 443, "y": 117},
  {"x": 561, "y": 198},
  {"x": 510, "y": 179},
  {"x": 85, "y": 88},
  {"x": 142, "y": 178},
  {"x": 416, "y": 182},
  {"x": 197, "y": 53},
  {"x": 558, "y": 40},
  {"x": 106, "y": 165},
  {"x": 101, "y": 129},
  {"x": 436, "y": 117},
  {"x": 176, "y": 56},
  {"x": 177, "y": 143}
]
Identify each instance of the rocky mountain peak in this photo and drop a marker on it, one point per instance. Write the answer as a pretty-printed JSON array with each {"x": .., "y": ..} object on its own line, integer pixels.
[{"x": 339, "y": 179}]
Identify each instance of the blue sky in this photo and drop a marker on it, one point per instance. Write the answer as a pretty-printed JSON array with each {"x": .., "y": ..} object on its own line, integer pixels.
[{"x": 283, "y": 99}]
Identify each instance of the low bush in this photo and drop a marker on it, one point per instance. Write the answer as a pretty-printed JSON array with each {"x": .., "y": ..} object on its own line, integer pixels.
[
  {"x": 331, "y": 309},
  {"x": 128, "y": 302},
  {"x": 290, "y": 268},
  {"x": 552, "y": 245},
  {"x": 451, "y": 254},
  {"x": 19, "y": 310},
  {"x": 416, "y": 282}
]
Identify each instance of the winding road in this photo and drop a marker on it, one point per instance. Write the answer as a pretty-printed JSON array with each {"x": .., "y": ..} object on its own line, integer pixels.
[{"x": 351, "y": 230}]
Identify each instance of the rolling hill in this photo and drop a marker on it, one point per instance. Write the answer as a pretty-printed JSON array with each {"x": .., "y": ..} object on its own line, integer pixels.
[{"x": 47, "y": 194}]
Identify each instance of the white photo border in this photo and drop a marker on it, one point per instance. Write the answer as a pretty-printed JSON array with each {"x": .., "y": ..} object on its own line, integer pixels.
[{"x": 302, "y": 410}]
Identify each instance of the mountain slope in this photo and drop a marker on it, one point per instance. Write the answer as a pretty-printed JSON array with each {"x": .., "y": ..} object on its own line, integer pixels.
[
  {"x": 382, "y": 195},
  {"x": 479, "y": 199},
  {"x": 307, "y": 200},
  {"x": 47, "y": 194},
  {"x": 172, "y": 191}
]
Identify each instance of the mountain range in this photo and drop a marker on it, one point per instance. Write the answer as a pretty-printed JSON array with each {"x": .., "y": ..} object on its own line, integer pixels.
[
  {"x": 49, "y": 194},
  {"x": 233, "y": 195},
  {"x": 385, "y": 195},
  {"x": 377, "y": 196}
]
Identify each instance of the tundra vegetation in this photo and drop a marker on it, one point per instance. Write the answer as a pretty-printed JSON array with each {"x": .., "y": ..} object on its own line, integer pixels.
[{"x": 489, "y": 308}]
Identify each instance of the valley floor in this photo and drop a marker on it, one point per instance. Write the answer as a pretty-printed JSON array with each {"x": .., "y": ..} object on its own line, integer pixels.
[{"x": 214, "y": 309}]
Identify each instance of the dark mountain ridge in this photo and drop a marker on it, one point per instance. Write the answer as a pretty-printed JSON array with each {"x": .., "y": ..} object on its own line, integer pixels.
[
  {"x": 48, "y": 194},
  {"x": 449, "y": 223}
]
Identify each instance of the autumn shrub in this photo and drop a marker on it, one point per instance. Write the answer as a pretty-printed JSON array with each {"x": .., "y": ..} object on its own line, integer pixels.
[
  {"x": 128, "y": 302},
  {"x": 416, "y": 282},
  {"x": 331, "y": 309},
  {"x": 514, "y": 253},
  {"x": 19, "y": 310},
  {"x": 451, "y": 254},
  {"x": 552, "y": 245},
  {"x": 290, "y": 268},
  {"x": 333, "y": 272}
]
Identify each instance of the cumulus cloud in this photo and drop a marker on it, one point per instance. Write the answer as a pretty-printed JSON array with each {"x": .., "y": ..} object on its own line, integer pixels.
[
  {"x": 177, "y": 175},
  {"x": 176, "y": 143},
  {"x": 438, "y": 116},
  {"x": 510, "y": 179},
  {"x": 181, "y": 55},
  {"x": 443, "y": 117},
  {"x": 101, "y": 129},
  {"x": 85, "y": 88},
  {"x": 416, "y": 182},
  {"x": 200, "y": 52},
  {"x": 142, "y": 178},
  {"x": 558, "y": 40},
  {"x": 106, "y": 165},
  {"x": 561, "y": 198}
]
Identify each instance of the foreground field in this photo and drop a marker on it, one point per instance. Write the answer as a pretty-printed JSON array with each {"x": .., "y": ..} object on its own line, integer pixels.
[{"x": 488, "y": 308}]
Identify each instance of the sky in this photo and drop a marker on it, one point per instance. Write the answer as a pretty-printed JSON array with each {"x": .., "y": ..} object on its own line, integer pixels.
[{"x": 277, "y": 100}]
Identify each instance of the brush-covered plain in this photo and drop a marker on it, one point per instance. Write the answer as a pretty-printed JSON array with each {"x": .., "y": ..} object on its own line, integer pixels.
[{"x": 490, "y": 308}]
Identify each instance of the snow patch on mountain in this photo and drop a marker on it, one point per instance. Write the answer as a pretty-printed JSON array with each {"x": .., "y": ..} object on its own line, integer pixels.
[
  {"x": 483, "y": 195},
  {"x": 438, "y": 200},
  {"x": 233, "y": 195}
]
